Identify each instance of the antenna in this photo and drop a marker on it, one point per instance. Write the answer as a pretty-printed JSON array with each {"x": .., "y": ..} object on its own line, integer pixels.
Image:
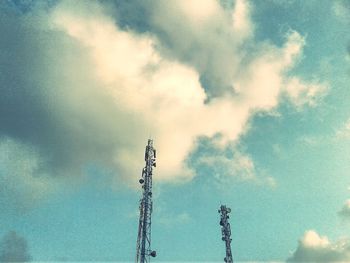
[
  {"x": 226, "y": 231},
  {"x": 143, "y": 245}
]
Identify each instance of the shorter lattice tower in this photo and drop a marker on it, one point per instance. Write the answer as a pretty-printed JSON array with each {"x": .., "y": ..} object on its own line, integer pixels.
[
  {"x": 143, "y": 246},
  {"x": 226, "y": 231}
]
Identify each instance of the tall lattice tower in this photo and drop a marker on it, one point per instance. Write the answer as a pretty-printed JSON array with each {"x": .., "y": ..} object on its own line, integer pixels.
[
  {"x": 226, "y": 231},
  {"x": 143, "y": 246}
]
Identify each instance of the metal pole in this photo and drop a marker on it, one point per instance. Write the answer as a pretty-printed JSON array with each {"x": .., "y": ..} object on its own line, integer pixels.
[
  {"x": 226, "y": 231},
  {"x": 143, "y": 246}
]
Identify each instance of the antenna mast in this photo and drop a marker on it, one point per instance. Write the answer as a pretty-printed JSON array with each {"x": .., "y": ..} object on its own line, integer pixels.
[
  {"x": 226, "y": 231},
  {"x": 143, "y": 246}
]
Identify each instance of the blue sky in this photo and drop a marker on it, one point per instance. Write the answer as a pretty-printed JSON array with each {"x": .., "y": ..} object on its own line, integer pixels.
[{"x": 248, "y": 105}]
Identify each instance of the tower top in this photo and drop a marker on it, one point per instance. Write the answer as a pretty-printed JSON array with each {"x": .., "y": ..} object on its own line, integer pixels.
[
  {"x": 226, "y": 231},
  {"x": 143, "y": 245}
]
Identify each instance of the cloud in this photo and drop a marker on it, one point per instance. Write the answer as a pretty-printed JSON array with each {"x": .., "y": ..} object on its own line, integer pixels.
[
  {"x": 220, "y": 45},
  {"x": 341, "y": 8},
  {"x": 305, "y": 94},
  {"x": 227, "y": 163},
  {"x": 344, "y": 131},
  {"x": 78, "y": 88},
  {"x": 14, "y": 248},
  {"x": 238, "y": 165},
  {"x": 345, "y": 211},
  {"x": 50, "y": 102},
  {"x": 315, "y": 248},
  {"x": 22, "y": 183}
]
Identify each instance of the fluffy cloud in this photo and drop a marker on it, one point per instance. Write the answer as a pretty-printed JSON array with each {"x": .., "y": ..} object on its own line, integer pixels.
[
  {"x": 77, "y": 88},
  {"x": 315, "y": 248},
  {"x": 220, "y": 45},
  {"x": 14, "y": 248},
  {"x": 345, "y": 211},
  {"x": 209, "y": 43}
]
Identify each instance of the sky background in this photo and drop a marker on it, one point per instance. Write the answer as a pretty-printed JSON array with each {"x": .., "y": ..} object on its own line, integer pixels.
[{"x": 248, "y": 103}]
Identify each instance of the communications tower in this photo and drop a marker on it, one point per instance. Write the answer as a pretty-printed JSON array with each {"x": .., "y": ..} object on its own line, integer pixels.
[
  {"x": 226, "y": 231},
  {"x": 143, "y": 246}
]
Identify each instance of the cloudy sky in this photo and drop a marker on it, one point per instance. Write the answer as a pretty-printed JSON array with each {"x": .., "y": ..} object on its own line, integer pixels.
[{"x": 248, "y": 103}]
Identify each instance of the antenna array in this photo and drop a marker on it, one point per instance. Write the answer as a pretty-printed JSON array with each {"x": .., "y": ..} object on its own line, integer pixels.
[
  {"x": 143, "y": 246},
  {"x": 226, "y": 231}
]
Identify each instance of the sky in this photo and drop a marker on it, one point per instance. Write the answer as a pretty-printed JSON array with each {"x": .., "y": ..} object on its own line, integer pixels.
[{"x": 248, "y": 104}]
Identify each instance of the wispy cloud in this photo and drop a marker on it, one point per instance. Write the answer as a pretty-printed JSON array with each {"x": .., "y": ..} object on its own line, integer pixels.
[
  {"x": 338, "y": 135},
  {"x": 305, "y": 94},
  {"x": 227, "y": 164},
  {"x": 344, "y": 131}
]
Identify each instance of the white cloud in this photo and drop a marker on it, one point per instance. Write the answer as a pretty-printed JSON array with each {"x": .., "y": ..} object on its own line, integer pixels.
[
  {"x": 239, "y": 166},
  {"x": 301, "y": 93},
  {"x": 169, "y": 98},
  {"x": 315, "y": 248},
  {"x": 208, "y": 9},
  {"x": 124, "y": 86},
  {"x": 242, "y": 25},
  {"x": 312, "y": 240}
]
